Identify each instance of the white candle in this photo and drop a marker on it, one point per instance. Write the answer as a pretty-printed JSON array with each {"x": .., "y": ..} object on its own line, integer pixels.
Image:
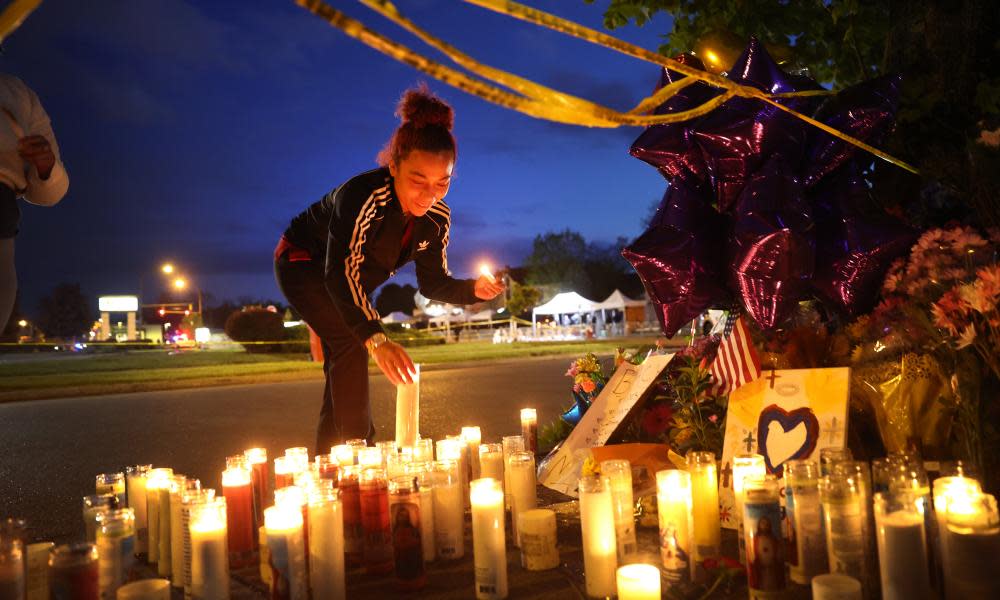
[
  {"x": 638, "y": 582},
  {"x": 178, "y": 486},
  {"x": 155, "y": 479},
  {"x": 164, "y": 562},
  {"x": 673, "y": 503},
  {"x": 326, "y": 546},
  {"x": 136, "y": 491},
  {"x": 597, "y": 523},
  {"x": 510, "y": 444},
  {"x": 832, "y": 586},
  {"x": 529, "y": 429},
  {"x": 944, "y": 490},
  {"x": 288, "y": 555},
  {"x": 489, "y": 550},
  {"x": 370, "y": 457},
  {"x": 189, "y": 502},
  {"x": 423, "y": 451},
  {"x": 491, "y": 461},
  {"x": 844, "y": 517},
  {"x": 298, "y": 459},
  {"x": 805, "y": 514},
  {"x": 523, "y": 492},
  {"x": 706, "y": 530},
  {"x": 617, "y": 475},
  {"x": 899, "y": 527},
  {"x": 116, "y": 548},
  {"x": 473, "y": 436},
  {"x": 284, "y": 472},
  {"x": 972, "y": 542},
  {"x": 537, "y": 530},
  {"x": 145, "y": 589},
  {"x": 408, "y": 411},
  {"x": 343, "y": 454},
  {"x": 744, "y": 466},
  {"x": 449, "y": 512},
  {"x": 209, "y": 551},
  {"x": 425, "y": 483},
  {"x": 453, "y": 449}
]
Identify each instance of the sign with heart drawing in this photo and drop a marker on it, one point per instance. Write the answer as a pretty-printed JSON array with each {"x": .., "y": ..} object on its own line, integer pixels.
[{"x": 783, "y": 415}]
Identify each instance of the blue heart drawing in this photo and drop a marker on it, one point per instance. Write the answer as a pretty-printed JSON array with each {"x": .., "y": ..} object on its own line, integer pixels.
[{"x": 788, "y": 420}]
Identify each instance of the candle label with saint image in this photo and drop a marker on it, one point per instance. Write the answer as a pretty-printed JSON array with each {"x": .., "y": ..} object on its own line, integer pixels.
[
  {"x": 764, "y": 543},
  {"x": 673, "y": 500},
  {"x": 407, "y": 543}
]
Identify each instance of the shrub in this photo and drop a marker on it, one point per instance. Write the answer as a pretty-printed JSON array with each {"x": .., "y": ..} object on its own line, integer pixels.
[{"x": 256, "y": 325}]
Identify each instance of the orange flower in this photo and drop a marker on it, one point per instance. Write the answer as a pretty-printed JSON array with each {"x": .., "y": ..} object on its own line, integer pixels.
[{"x": 588, "y": 385}]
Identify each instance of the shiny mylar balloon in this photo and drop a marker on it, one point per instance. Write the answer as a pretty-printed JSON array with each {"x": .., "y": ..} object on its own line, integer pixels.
[
  {"x": 678, "y": 259},
  {"x": 718, "y": 49},
  {"x": 670, "y": 147},
  {"x": 772, "y": 245},
  {"x": 866, "y": 111},
  {"x": 854, "y": 244}
]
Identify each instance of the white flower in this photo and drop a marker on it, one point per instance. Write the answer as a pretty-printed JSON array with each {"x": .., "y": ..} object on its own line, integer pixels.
[{"x": 967, "y": 338}]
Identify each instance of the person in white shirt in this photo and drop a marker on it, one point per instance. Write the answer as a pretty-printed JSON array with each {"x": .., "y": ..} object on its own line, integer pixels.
[{"x": 29, "y": 168}]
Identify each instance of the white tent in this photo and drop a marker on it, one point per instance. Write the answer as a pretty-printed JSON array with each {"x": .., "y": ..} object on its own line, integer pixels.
[
  {"x": 397, "y": 317},
  {"x": 618, "y": 301},
  {"x": 563, "y": 303}
]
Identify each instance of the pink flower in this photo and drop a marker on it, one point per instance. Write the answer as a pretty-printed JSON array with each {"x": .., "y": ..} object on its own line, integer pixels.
[
  {"x": 713, "y": 418},
  {"x": 573, "y": 370}
]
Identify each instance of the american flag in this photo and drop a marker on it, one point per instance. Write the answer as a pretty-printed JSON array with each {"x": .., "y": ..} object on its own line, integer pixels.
[{"x": 737, "y": 362}]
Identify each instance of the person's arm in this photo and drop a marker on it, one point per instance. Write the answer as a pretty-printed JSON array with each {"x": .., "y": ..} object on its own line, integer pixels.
[
  {"x": 433, "y": 276},
  {"x": 46, "y": 184},
  {"x": 353, "y": 209}
]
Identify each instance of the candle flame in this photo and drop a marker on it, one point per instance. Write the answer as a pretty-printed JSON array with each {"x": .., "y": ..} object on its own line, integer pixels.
[{"x": 485, "y": 271}]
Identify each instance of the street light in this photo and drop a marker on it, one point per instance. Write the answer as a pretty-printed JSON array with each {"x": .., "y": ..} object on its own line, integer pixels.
[
  {"x": 167, "y": 268},
  {"x": 180, "y": 283},
  {"x": 22, "y": 323}
]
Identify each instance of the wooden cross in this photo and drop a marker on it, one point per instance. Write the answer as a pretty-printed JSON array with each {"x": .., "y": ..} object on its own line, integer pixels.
[
  {"x": 773, "y": 376},
  {"x": 833, "y": 429},
  {"x": 749, "y": 440}
]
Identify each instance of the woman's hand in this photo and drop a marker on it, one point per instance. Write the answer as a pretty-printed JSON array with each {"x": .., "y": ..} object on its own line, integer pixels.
[
  {"x": 488, "y": 288},
  {"x": 36, "y": 150},
  {"x": 394, "y": 362}
]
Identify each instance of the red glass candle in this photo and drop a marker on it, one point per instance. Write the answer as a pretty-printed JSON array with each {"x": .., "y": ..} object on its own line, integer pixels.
[
  {"x": 236, "y": 487},
  {"x": 260, "y": 474},
  {"x": 73, "y": 572},
  {"x": 378, "y": 552},
  {"x": 354, "y": 534},
  {"x": 407, "y": 544}
]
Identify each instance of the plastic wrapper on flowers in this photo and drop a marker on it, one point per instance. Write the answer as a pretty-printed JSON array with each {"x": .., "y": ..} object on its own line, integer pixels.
[{"x": 757, "y": 182}]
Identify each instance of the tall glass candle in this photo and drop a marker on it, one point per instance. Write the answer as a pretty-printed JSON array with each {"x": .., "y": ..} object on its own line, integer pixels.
[
  {"x": 116, "y": 549},
  {"x": 111, "y": 483},
  {"x": 408, "y": 410},
  {"x": 449, "y": 511},
  {"x": 489, "y": 550},
  {"x": 762, "y": 530},
  {"x": 289, "y": 580},
  {"x": 510, "y": 445},
  {"x": 93, "y": 507},
  {"x": 284, "y": 472},
  {"x": 135, "y": 490},
  {"x": 529, "y": 429},
  {"x": 238, "y": 491},
  {"x": 326, "y": 546},
  {"x": 899, "y": 529},
  {"x": 454, "y": 449},
  {"x": 155, "y": 479},
  {"x": 179, "y": 486},
  {"x": 972, "y": 542},
  {"x": 861, "y": 473},
  {"x": 370, "y": 457},
  {"x": 491, "y": 461},
  {"x": 73, "y": 572},
  {"x": 343, "y": 454},
  {"x": 209, "y": 550},
  {"x": 326, "y": 467},
  {"x": 804, "y": 512},
  {"x": 829, "y": 457},
  {"x": 12, "y": 572},
  {"x": 190, "y": 501},
  {"x": 944, "y": 490},
  {"x": 260, "y": 482},
  {"x": 357, "y": 445},
  {"x": 423, "y": 450},
  {"x": 425, "y": 487},
  {"x": 375, "y": 520},
  {"x": 706, "y": 529},
  {"x": 537, "y": 530},
  {"x": 617, "y": 475},
  {"x": 164, "y": 564},
  {"x": 297, "y": 459},
  {"x": 597, "y": 523},
  {"x": 744, "y": 466},
  {"x": 673, "y": 503},
  {"x": 638, "y": 582},
  {"x": 407, "y": 543},
  {"x": 294, "y": 497},
  {"x": 844, "y": 515},
  {"x": 523, "y": 492},
  {"x": 473, "y": 437},
  {"x": 37, "y": 567},
  {"x": 834, "y": 586},
  {"x": 350, "y": 498}
]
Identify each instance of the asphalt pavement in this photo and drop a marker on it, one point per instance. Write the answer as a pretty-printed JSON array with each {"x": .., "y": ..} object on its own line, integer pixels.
[{"x": 50, "y": 450}]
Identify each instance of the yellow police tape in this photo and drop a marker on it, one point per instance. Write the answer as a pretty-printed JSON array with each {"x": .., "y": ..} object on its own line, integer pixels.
[
  {"x": 540, "y": 101},
  {"x": 15, "y": 14}
]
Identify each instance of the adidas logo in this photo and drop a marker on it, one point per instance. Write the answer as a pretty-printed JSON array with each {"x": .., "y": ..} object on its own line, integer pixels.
[{"x": 422, "y": 245}]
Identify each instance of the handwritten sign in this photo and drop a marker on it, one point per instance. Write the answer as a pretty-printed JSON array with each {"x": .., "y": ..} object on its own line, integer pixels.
[
  {"x": 629, "y": 384},
  {"x": 783, "y": 415}
]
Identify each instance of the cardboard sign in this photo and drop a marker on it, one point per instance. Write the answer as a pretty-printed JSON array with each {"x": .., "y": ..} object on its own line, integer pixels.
[
  {"x": 629, "y": 384},
  {"x": 783, "y": 415}
]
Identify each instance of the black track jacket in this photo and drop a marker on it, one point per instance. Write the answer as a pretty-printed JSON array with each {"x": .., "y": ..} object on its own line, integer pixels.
[{"x": 359, "y": 228}]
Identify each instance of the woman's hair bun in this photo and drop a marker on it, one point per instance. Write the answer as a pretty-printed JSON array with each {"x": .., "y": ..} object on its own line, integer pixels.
[{"x": 420, "y": 107}]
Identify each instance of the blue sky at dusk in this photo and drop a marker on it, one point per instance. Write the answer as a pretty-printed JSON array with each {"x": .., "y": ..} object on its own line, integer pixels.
[{"x": 194, "y": 131}]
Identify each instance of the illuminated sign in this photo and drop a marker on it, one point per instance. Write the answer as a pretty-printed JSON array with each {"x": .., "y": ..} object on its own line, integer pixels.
[{"x": 118, "y": 303}]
